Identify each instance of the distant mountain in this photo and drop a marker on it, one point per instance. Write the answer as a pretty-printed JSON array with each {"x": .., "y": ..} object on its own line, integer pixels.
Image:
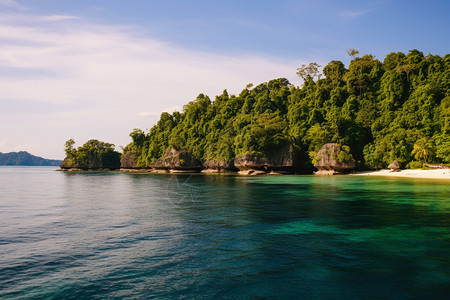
[{"x": 24, "y": 158}]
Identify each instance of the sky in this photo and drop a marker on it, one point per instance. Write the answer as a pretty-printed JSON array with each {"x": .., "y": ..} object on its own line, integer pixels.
[{"x": 97, "y": 69}]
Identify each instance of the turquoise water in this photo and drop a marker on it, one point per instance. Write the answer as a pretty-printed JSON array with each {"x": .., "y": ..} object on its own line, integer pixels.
[{"x": 135, "y": 236}]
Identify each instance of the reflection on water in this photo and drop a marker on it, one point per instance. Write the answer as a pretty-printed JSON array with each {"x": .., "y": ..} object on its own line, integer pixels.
[{"x": 90, "y": 235}]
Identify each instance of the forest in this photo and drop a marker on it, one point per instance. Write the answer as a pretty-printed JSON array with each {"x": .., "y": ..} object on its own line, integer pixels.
[
  {"x": 398, "y": 109},
  {"x": 93, "y": 155},
  {"x": 395, "y": 109}
]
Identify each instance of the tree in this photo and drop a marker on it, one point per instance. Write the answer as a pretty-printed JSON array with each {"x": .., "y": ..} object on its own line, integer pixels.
[
  {"x": 138, "y": 137},
  {"x": 308, "y": 72},
  {"x": 68, "y": 147},
  {"x": 369, "y": 106},
  {"x": 335, "y": 70},
  {"x": 352, "y": 52},
  {"x": 92, "y": 155},
  {"x": 392, "y": 60},
  {"x": 423, "y": 149},
  {"x": 405, "y": 68}
]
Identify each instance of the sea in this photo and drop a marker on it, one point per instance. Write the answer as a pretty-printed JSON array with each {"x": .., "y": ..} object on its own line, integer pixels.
[{"x": 113, "y": 235}]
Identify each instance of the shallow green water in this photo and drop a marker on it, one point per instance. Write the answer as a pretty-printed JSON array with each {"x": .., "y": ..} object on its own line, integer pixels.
[{"x": 115, "y": 235}]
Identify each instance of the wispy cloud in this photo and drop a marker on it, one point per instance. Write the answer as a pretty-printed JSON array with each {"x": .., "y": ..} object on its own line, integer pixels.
[
  {"x": 55, "y": 18},
  {"x": 29, "y": 20},
  {"x": 11, "y": 4},
  {"x": 352, "y": 14},
  {"x": 108, "y": 78}
]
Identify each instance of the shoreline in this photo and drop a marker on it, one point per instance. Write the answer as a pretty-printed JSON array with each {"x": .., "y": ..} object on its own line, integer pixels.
[{"x": 413, "y": 173}]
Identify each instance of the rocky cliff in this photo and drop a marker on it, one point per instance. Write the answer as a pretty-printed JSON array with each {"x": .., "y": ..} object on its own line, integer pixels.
[
  {"x": 218, "y": 166},
  {"x": 331, "y": 159},
  {"x": 129, "y": 160},
  {"x": 177, "y": 161},
  {"x": 279, "y": 160}
]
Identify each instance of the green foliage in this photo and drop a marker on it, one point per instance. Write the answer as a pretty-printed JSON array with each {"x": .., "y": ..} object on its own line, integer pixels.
[
  {"x": 442, "y": 143},
  {"x": 423, "y": 149},
  {"x": 395, "y": 109},
  {"x": 316, "y": 157},
  {"x": 415, "y": 164},
  {"x": 344, "y": 154},
  {"x": 68, "y": 148},
  {"x": 265, "y": 132},
  {"x": 92, "y": 155},
  {"x": 308, "y": 72},
  {"x": 335, "y": 71}
]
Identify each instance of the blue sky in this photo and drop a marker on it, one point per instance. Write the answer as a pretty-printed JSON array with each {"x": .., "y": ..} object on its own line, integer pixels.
[{"x": 99, "y": 68}]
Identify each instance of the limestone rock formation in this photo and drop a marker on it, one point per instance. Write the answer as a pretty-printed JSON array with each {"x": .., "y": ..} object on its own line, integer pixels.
[
  {"x": 218, "y": 166},
  {"x": 279, "y": 160},
  {"x": 175, "y": 160},
  {"x": 329, "y": 161},
  {"x": 249, "y": 161},
  {"x": 394, "y": 166},
  {"x": 129, "y": 160}
]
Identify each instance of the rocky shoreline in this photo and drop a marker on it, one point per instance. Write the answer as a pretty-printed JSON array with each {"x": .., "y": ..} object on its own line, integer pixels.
[
  {"x": 409, "y": 173},
  {"x": 279, "y": 161},
  {"x": 332, "y": 159}
]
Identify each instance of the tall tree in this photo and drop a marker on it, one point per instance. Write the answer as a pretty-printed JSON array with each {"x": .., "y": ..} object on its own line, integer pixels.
[{"x": 308, "y": 72}]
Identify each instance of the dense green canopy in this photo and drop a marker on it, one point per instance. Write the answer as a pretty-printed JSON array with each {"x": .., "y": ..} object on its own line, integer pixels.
[
  {"x": 395, "y": 109},
  {"x": 93, "y": 155}
]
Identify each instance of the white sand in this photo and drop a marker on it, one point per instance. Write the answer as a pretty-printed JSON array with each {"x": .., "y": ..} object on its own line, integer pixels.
[{"x": 438, "y": 173}]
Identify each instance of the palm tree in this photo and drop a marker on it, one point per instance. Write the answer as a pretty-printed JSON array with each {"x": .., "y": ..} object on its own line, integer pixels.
[{"x": 423, "y": 149}]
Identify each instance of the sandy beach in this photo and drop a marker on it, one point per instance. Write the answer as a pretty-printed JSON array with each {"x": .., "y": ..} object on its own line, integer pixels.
[{"x": 435, "y": 174}]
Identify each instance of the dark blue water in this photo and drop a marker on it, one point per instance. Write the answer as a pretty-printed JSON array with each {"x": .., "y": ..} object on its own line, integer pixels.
[{"x": 135, "y": 236}]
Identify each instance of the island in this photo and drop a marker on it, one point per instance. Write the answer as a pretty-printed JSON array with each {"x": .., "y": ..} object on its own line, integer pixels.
[
  {"x": 341, "y": 120},
  {"x": 23, "y": 158}
]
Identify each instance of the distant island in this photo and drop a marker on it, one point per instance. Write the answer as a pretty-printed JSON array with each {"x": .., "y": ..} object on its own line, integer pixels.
[
  {"x": 24, "y": 158},
  {"x": 368, "y": 116}
]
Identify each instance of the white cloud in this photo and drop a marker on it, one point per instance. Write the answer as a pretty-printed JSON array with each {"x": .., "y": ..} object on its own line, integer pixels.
[
  {"x": 24, "y": 19},
  {"x": 103, "y": 78},
  {"x": 11, "y": 4},
  {"x": 54, "y": 18}
]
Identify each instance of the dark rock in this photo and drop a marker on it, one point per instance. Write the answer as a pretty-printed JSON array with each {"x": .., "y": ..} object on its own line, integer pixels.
[
  {"x": 249, "y": 161},
  {"x": 129, "y": 160},
  {"x": 279, "y": 160},
  {"x": 159, "y": 164},
  {"x": 252, "y": 172},
  {"x": 218, "y": 166},
  {"x": 328, "y": 163},
  {"x": 177, "y": 160}
]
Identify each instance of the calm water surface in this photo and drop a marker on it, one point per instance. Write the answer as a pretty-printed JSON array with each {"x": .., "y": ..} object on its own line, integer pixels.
[{"x": 114, "y": 235}]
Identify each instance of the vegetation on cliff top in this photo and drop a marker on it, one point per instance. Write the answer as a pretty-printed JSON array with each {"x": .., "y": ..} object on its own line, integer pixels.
[
  {"x": 395, "y": 109},
  {"x": 398, "y": 109},
  {"x": 93, "y": 155}
]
